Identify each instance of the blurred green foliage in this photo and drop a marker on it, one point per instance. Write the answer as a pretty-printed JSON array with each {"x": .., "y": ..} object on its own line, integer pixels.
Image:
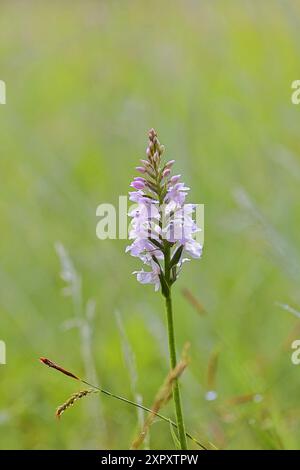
[{"x": 85, "y": 81}]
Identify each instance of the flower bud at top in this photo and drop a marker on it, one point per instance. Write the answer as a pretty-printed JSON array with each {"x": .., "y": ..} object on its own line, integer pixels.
[
  {"x": 151, "y": 147},
  {"x": 152, "y": 134},
  {"x": 169, "y": 164},
  {"x": 166, "y": 172},
  {"x": 141, "y": 169},
  {"x": 175, "y": 179},
  {"x": 156, "y": 157}
]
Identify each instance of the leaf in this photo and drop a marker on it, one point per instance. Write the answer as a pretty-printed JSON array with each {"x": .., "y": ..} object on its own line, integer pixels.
[
  {"x": 175, "y": 437},
  {"x": 176, "y": 257},
  {"x": 156, "y": 243},
  {"x": 164, "y": 286}
]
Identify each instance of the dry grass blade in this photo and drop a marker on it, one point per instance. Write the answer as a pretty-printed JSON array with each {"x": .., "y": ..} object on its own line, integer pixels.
[
  {"x": 241, "y": 399},
  {"x": 195, "y": 303},
  {"x": 163, "y": 396},
  {"x": 212, "y": 369},
  {"x": 70, "y": 402}
]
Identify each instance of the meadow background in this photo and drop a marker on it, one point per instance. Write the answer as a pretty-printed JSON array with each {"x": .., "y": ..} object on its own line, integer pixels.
[{"x": 85, "y": 81}]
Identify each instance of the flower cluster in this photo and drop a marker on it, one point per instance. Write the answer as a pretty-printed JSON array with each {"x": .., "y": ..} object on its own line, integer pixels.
[{"x": 162, "y": 226}]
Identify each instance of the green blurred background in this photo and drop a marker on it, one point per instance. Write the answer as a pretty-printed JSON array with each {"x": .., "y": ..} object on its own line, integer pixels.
[{"x": 85, "y": 81}]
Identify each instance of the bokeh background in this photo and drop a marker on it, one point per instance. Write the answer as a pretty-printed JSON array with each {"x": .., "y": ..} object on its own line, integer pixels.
[{"x": 85, "y": 81}]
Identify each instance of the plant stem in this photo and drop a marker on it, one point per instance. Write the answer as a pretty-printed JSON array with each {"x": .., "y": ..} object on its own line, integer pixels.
[
  {"x": 173, "y": 361},
  {"x": 172, "y": 351}
]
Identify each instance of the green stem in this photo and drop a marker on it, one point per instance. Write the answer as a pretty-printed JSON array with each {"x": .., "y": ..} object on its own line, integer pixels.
[
  {"x": 172, "y": 351},
  {"x": 173, "y": 361}
]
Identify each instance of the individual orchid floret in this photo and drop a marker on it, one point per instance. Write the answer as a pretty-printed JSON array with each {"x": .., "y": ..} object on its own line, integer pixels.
[
  {"x": 141, "y": 169},
  {"x": 138, "y": 184},
  {"x": 174, "y": 179}
]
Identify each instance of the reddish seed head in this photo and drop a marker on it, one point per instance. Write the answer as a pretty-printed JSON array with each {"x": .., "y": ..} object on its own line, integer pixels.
[{"x": 51, "y": 364}]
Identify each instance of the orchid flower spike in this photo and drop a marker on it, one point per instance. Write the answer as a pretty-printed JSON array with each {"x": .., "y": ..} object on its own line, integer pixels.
[{"x": 162, "y": 227}]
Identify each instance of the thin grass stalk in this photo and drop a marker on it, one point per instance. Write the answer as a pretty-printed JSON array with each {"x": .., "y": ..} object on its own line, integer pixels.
[{"x": 55, "y": 366}]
